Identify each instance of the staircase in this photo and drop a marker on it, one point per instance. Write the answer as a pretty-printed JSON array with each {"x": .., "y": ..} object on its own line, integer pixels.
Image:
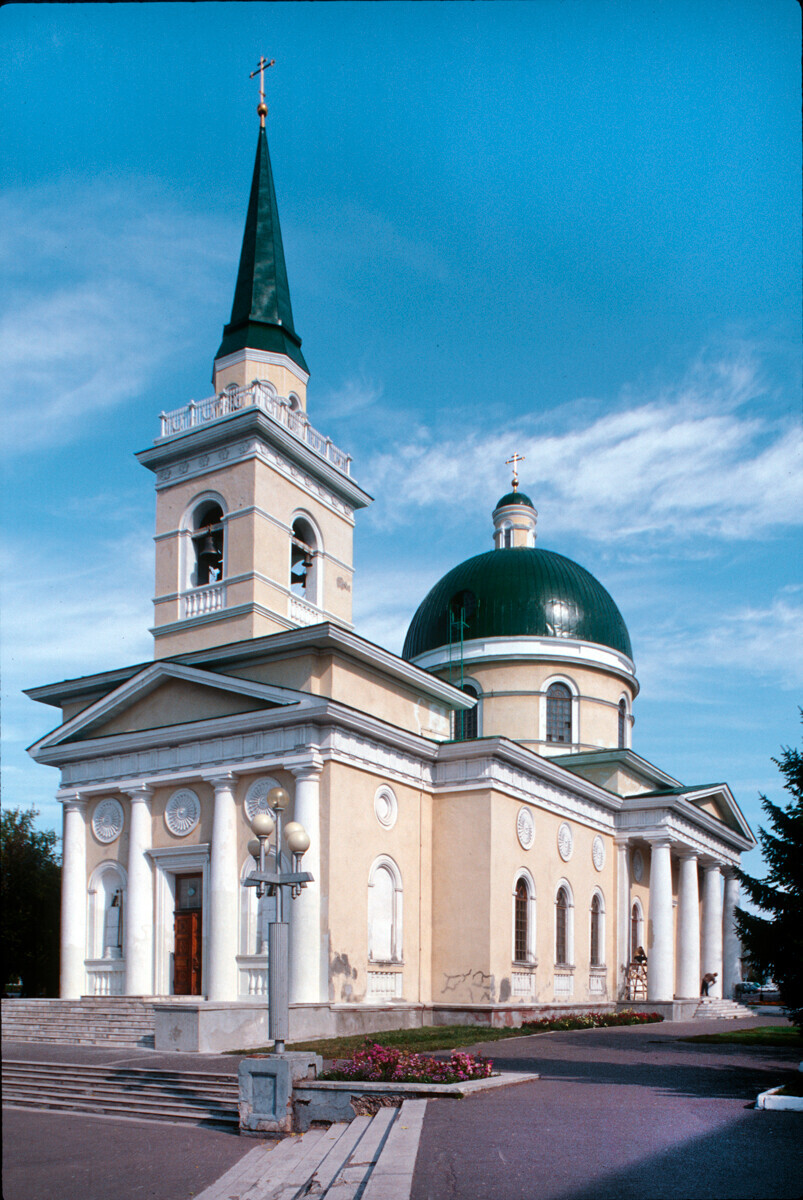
[
  {"x": 189, "y": 1097},
  {"x": 710, "y": 1009},
  {"x": 91, "y": 1021}
]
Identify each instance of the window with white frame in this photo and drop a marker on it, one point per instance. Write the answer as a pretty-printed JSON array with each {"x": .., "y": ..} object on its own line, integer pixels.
[
  {"x": 524, "y": 918},
  {"x": 636, "y": 928},
  {"x": 558, "y": 713},
  {"x": 564, "y": 930},
  {"x": 384, "y": 911},
  {"x": 107, "y": 887},
  {"x": 466, "y": 721},
  {"x": 622, "y": 728},
  {"x": 597, "y": 932}
]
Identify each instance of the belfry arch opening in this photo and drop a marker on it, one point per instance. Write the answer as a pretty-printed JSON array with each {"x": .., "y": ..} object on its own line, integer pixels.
[
  {"x": 207, "y": 543},
  {"x": 304, "y": 561}
]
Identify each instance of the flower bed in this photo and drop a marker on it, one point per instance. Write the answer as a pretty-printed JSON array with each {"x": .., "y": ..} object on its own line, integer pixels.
[
  {"x": 389, "y": 1064},
  {"x": 592, "y": 1020}
]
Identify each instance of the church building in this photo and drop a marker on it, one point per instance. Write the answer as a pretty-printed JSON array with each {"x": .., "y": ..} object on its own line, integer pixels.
[{"x": 485, "y": 840}]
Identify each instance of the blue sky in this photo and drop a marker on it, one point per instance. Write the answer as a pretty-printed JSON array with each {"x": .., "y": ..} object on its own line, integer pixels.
[{"x": 566, "y": 228}]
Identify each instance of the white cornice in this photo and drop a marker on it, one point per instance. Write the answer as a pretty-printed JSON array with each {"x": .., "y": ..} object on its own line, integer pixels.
[
  {"x": 534, "y": 649},
  {"x": 262, "y": 356}
]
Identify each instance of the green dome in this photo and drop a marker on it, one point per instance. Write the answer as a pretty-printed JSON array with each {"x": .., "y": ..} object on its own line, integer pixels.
[
  {"x": 520, "y": 592},
  {"x": 514, "y": 498}
]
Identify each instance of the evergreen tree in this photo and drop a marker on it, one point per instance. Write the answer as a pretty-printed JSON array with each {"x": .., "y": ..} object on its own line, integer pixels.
[
  {"x": 30, "y": 887},
  {"x": 774, "y": 943}
]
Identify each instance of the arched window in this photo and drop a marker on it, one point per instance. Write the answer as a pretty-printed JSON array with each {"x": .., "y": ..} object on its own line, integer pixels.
[
  {"x": 207, "y": 543},
  {"x": 304, "y": 561},
  {"x": 106, "y": 911},
  {"x": 636, "y": 929},
  {"x": 563, "y": 927},
  {"x": 507, "y": 537},
  {"x": 558, "y": 713},
  {"x": 466, "y": 722},
  {"x": 597, "y": 957},
  {"x": 384, "y": 911},
  {"x": 622, "y": 724}
]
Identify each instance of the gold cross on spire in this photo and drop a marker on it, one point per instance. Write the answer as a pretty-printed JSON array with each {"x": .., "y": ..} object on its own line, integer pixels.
[
  {"x": 262, "y": 107},
  {"x": 514, "y": 461}
]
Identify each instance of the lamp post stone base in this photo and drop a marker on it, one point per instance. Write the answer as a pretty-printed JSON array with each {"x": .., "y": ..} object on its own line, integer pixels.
[{"x": 266, "y": 1091}]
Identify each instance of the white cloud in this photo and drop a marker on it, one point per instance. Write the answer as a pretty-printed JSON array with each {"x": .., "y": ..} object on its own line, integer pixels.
[
  {"x": 686, "y": 461},
  {"x": 91, "y": 309},
  {"x": 762, "y": 643}
]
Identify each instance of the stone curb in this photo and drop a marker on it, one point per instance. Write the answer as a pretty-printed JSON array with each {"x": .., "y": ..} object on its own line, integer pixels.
[
  {"x": 364, "y": 1087},
  {"x": 771, "y": 1100}
]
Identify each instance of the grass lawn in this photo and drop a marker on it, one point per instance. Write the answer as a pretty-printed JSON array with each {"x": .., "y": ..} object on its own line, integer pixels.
[
  {"x": 764, "y": 1035},
  {"x": 438, "y": 1037}
]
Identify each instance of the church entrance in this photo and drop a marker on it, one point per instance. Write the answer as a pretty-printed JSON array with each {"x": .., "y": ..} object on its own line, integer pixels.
[{"x": 188, "y": 927}]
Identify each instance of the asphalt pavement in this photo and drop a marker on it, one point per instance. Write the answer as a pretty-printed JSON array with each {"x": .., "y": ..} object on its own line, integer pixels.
[{"x": 619, "y": 1114}]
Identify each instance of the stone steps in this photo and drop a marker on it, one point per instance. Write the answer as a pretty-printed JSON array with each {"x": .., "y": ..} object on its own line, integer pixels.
[
  {"x": 711, "y": 1009},
  {"x": 194, "y": 1097},
  {"x": 91, "y": 1021}
]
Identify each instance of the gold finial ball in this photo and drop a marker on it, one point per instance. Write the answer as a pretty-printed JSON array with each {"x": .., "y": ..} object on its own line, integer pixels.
[{"x": 262, "y": 109}]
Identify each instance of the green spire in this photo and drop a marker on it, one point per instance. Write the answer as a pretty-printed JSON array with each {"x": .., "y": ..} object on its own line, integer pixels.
[{"x": 261, "y": 316}]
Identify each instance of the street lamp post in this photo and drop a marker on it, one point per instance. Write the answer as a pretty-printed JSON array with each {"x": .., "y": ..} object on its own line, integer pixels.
[{"x": 284, "y": 885}]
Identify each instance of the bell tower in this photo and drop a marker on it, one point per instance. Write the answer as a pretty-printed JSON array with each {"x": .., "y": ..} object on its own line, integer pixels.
[{"x": 255, "y": 508}]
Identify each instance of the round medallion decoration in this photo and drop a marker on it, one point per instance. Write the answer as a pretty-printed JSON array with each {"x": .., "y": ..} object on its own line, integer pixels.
[
  {"x": 525, "y": 828},
  {"x": 386, "y": 807},
  {"x": 182, "y": 812},
  {"x": 107, "y": 820},
  {"x": 638, "y": 865},
  {"x": 256, "y": 798},
  {"x": 565, "y": 842},
  {"x": 598, "y": 852}
]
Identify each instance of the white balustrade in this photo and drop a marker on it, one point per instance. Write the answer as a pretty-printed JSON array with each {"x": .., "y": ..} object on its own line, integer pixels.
[
  {"x": 204, "y": 600},
  {"x": 304, "y": 613},
  {"x": 597, "y": 983},
  {"x": 253, "y": 975},
  {"x": 522, "y": 984},
  {"x": 258, "y": 395},
  {"x": 384, "y": 985},
  {"x": 564, "y": 986},
  {"x": 106, "y": 976}
]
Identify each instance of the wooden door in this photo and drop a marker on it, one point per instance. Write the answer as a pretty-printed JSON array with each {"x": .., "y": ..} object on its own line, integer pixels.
[{"x": 187, "y": 954}]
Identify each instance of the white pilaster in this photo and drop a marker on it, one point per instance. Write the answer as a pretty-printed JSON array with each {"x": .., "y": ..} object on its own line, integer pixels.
[
  {"x": 305, "y": 915},
  {"x": 224, "y": 884},
  {"x": 138, "y": 917},
  {"x": 688, "y": 932},
  {"x": 623, "y": 951},
  {"x": 661, "y": 965},
  {"x": 712, "y": 925},
  {"x": 731, "y": 945},
  {"x": 73, "y": 898}
]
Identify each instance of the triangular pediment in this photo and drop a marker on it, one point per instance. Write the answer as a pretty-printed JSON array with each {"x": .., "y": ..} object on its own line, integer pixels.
[{"x": 164, "y": 695}]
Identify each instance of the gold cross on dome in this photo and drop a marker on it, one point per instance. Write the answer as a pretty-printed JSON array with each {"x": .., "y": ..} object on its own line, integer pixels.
[
  {"x": 514, "y": 461},
  {"x": 262, "y": 107}
]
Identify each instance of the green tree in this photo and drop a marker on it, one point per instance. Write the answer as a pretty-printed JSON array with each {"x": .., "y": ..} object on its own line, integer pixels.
[
  {"x": 774, "y": 944},
  {"x": 30, "y": 889}
]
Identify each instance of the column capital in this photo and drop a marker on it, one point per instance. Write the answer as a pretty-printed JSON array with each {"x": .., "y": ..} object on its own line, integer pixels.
[
  {"x": 622, "y": 841},
  {"x": 220, "y": 779},
  {"x": 685, "y": 852},
  {"x": 72, "y": 800},
  {"x": 711, "y": 864},
  {"x": 308, "y": 768},
  {"x": 138, "y": 792},
  {"x": 658, "y": 840},
  {"x": 729, "y": 871}
]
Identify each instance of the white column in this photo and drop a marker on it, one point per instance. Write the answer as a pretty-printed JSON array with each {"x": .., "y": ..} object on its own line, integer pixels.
[
  {"x": 622, "y": 912},
  {"x": 661, "y": 964},
  {"x": 712, "y": 926},
  {"x": 305, "y": 911},
  {"x": 731, "y": 945},
  {"x": 73, "y": 898},
  {"x": 688, "y": 938},
  {"x": 138, "y": 916},
  {"x": 224, "y": 886}
]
